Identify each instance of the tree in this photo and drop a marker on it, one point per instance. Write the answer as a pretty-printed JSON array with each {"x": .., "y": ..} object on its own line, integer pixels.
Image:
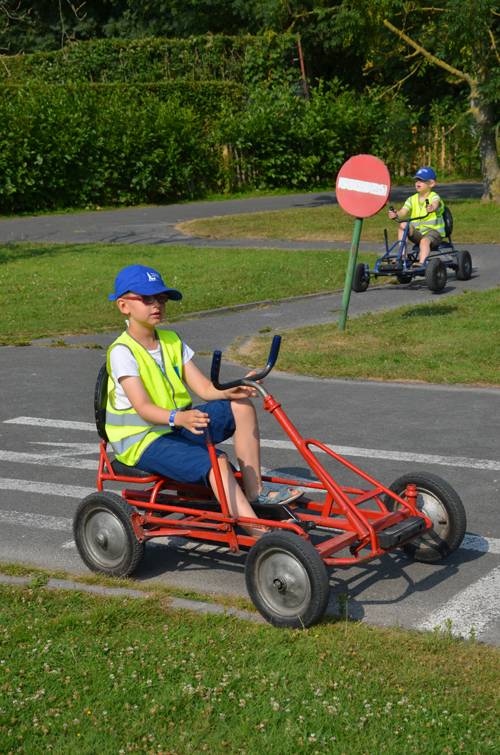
[{"x": 461, "y": 37}]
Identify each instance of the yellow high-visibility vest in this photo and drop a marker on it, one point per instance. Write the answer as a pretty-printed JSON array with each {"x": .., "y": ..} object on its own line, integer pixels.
[
  {"x": 435, "y": 220},
  {"x": 127, "y": 432}
]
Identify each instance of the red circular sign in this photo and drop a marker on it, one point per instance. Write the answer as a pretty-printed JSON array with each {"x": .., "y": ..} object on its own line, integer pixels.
[{"x": 363, "y": 186}]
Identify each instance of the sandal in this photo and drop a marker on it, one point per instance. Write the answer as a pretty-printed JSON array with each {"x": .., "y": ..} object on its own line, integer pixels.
[{"x": 280, "y": 497}]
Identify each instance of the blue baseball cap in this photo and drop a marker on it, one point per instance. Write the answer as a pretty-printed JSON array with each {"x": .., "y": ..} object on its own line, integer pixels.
[
  {"x": 141, "y": 280},
  {"x": 426, "y": 174}
]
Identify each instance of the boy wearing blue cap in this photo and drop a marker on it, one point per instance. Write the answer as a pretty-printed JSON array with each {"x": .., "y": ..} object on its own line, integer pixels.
[
  {"x": 150, "y": 421},
  {"x": 429, "y": 231}
]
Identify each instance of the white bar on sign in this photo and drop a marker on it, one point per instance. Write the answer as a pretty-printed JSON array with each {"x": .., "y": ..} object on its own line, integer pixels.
[{"x": 365, "y": 187}]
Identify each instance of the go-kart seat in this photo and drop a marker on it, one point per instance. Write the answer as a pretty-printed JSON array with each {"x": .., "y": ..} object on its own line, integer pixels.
[
  {"x": 448, "y": 230},
  {"x": 100, "y": 398}
]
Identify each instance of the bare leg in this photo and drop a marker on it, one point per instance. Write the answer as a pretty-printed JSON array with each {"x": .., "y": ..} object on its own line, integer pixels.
[
  {"x": 247, "y": 446},
  {"x": 425, "y": 249},
  {"x": 236, "y": 500}
]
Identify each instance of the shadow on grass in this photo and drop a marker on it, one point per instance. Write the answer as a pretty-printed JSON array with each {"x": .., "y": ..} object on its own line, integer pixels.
[
  {"x": 432, "y": 310},
  {"x": 17, "y": 251}
]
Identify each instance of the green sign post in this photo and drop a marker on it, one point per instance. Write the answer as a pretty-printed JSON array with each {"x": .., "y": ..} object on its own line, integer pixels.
[{"x": 363, "y": 188}]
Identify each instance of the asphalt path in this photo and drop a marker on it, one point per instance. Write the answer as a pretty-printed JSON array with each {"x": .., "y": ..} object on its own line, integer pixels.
[
  {"x": 156, "y": 225},
  {"x": 49, "y": 452}
]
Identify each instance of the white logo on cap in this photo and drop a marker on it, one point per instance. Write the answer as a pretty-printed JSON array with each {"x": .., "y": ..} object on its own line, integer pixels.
[{"x": 152, "y": 276}]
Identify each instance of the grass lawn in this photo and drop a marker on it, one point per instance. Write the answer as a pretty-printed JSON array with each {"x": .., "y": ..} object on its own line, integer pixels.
[
  {"x": 94, "y": 674},
  {"x": 55, "y": 289},
  {"x": 454, "y": 341},
  {"x": 474, "y": 223}
]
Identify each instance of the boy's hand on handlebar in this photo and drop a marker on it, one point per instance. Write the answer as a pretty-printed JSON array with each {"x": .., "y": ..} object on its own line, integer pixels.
[
  {"x": 193, "y": 420},
  {"x": 393, "y": 214},
  {"x": 241, "y": 391}
]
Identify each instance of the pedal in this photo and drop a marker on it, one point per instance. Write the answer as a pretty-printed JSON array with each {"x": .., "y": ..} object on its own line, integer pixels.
[
  {"x": 401, "y": 531},
  {"x": 306, "y": 525}
]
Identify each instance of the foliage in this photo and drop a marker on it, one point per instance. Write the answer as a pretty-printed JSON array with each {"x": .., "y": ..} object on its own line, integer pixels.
[
  {"x": 75, "y": 145},
  {"x": 202, "y": 58},
  {"x": 284, "y": 139}
]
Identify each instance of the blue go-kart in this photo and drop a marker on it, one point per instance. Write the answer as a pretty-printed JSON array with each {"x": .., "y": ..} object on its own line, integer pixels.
[{"x": 399, "y": 261}]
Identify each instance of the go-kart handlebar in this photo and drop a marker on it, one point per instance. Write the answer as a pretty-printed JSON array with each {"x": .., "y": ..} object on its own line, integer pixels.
[
  {"x": 251, "y": 382},
  {"x": 408, "y": 220}
]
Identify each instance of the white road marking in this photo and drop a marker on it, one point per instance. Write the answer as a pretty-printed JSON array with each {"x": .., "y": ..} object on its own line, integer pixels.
[
  {"x": 69, "y": 544},
  {"x": 481, "y": 544},
  {"x": 72, "y": 448},
  {"x": 48, "y": 460},
  {"x": 36, "y": 521},
  {"x": 475, "y": 606},
  {"x": 365, "y": 187},
  {"x": 374, "y": 453},
  {"x": 368, "y": 453},
  {"x": 59, "y": 423},
  {"x": 45, "y": 488}
]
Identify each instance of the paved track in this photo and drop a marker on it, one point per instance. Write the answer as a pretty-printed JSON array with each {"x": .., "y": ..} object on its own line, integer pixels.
[
  {"x": 388, "y": 428},
  {"x": 156, "y": 225}
]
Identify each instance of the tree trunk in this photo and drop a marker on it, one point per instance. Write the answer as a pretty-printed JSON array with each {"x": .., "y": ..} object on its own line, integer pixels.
[{"x": 483, "y": 113}]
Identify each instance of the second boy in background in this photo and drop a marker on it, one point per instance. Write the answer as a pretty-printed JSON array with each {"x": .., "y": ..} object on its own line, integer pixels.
[{"x": 428, "y": 231}]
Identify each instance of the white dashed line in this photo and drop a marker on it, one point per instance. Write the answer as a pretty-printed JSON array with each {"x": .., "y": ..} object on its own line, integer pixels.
[
  {"x": 475, "y": 606},
  {"x": 45, "y": 488}
]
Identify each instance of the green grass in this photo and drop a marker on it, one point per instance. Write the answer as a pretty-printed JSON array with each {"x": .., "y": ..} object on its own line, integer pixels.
[
  {"x": 474, "y": 223},
  {"x": 93, "y": 674},
  {"x": 62, "y": 289},
  {"x": 454, "y": 340}
]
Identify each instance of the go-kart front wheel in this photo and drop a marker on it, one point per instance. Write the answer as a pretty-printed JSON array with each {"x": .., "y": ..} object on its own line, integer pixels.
[
  {"x": 287, "y": 580},
  {"x": 105, "y": 537},
  {"x": 360, "y": 280},
  {"x": 438, "y": 501},
  {"x": 464, "y": 269},
  {"x": 435, "y": 275}
]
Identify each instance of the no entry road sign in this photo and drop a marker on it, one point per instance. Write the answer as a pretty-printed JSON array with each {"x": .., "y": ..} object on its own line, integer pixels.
[{"x": 363, "y": 186}]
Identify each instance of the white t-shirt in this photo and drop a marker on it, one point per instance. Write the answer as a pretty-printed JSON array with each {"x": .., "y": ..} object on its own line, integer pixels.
[{"x": 124, "y": 364}]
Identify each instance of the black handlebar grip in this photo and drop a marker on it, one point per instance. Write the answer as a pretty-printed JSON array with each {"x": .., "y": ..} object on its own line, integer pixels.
[
  {"x": 215, "y": 370},
  {"x": 275, "y": 350},
  {"x": 391, "y": 208},
  {"x": 426, "y": 202}
]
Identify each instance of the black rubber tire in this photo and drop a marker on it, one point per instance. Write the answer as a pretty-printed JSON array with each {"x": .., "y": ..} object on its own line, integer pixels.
[
  {"x": 287, "y": 580},
  {"x": 464, "y": 270},
  {"x": 360, "y": 281},
  {"x": 441, "y": 503},
  {"x": 107, "y": 516},
  {"x": 435, "y": 275},
  {"x": 404, "y": 278}
]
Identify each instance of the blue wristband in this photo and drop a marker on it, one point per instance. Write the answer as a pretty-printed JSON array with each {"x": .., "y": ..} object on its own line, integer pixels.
[{"x": 171, "y": 419}]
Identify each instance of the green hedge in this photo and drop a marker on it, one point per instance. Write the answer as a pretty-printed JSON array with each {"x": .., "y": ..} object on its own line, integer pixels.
[
  {"x": 75, "y": 145},
  {"x": 210, "y": 57},
  {"x": 63, "y": 146}
]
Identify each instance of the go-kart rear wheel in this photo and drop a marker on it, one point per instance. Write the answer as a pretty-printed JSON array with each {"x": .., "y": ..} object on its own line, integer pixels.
[
  {"x": 435, "y": 275},
  {"x": 287, "y": 580},
  {"x": 104, "y": 535},
  {"x": 464, "y": 270},
  {"x": 440, "y": 503},
  {"x": 403, "y": 278},
  {"x": 360, "y": 281}
]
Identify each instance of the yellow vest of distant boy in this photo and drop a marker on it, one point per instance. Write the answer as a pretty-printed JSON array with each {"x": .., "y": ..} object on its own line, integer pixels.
[
  {"x": 435, "y": 220},
  {"x": 127, "y": 432}
]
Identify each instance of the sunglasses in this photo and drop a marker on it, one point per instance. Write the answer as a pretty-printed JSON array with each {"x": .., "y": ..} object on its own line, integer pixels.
[{"x": 149, "y": 298}]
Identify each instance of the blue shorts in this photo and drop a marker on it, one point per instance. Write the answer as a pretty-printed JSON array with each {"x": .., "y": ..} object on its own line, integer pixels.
[{"x": 183, "y": 456}]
